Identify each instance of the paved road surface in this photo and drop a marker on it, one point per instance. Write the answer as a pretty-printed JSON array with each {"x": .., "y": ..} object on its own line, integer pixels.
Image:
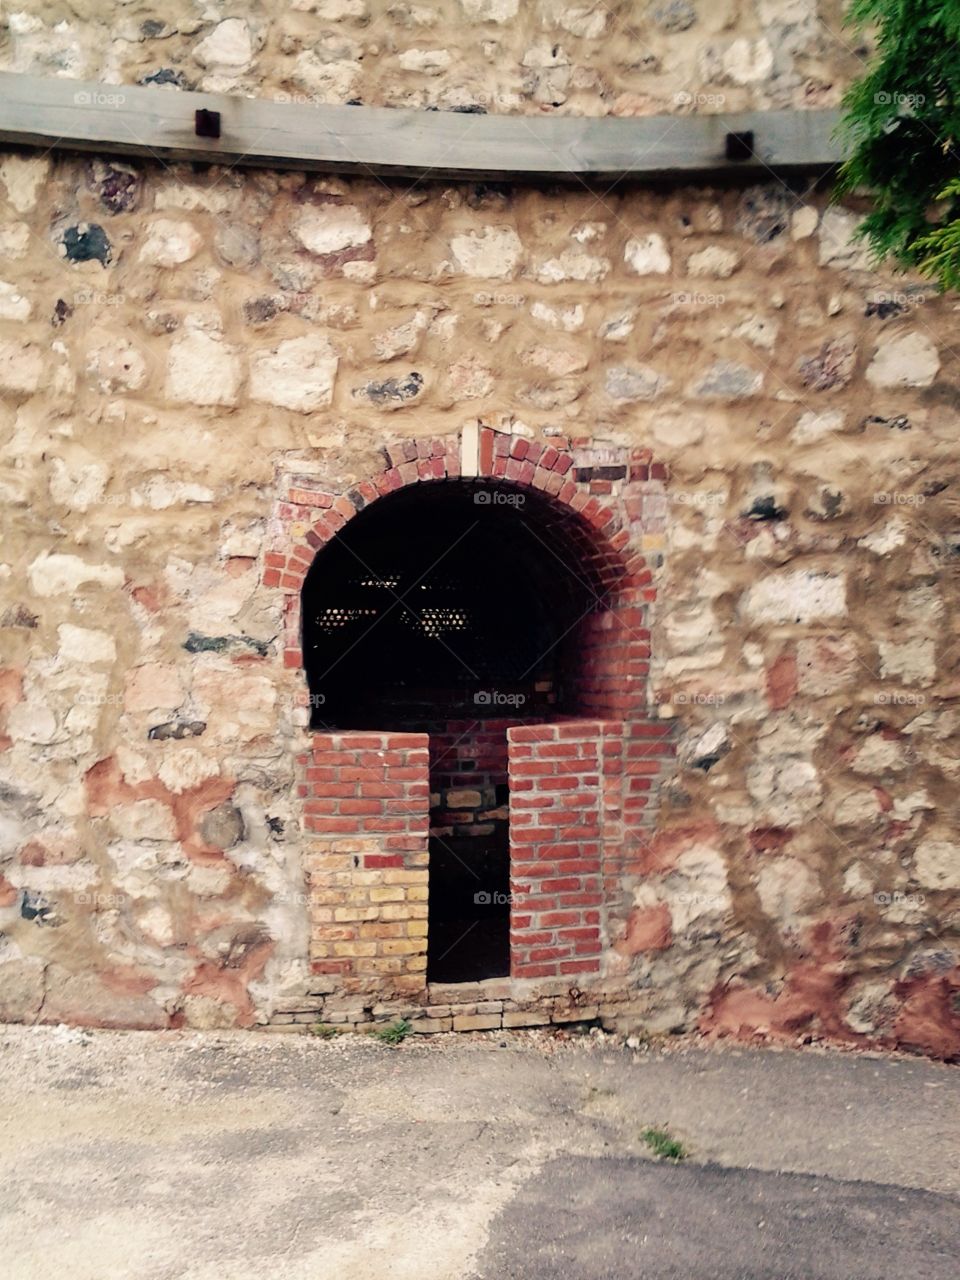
[{"x": 240, "y": 1156}]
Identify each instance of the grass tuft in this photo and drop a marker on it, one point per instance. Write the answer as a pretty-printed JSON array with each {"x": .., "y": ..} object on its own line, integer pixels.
[
  {"x": 394, "y": 1032},
  {"x": 323, "y": 1031},
  {"x": 662, "y": 1144}
]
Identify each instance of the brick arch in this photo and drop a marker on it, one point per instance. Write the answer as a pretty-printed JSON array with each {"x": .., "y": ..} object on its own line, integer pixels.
[{"x": 604, "y": 512}]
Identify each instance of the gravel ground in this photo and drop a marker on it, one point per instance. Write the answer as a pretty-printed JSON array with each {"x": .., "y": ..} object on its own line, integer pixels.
[{"x": 228, "y": 1156}]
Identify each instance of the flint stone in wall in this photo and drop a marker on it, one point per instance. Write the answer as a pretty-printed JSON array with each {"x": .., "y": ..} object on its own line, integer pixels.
[
  {"x": 223, "y": 827},
  {"x": 144, "y": 820},
  {"x": 838, "y": 247},
  {"x": 787, "y": 889},
  {"x": 169, "y": 243},
  {"x": 726, "y": 380},
  {"x": 831, "y": 367},
  {"x": 490, "y": 254},
  {"x": 21, "y": 367},
  {"x": 327, "y": 80},
  {"x": 572, "y": 265},
  {"x": 904, "y": 360},
  {"x": 567, "y": 318},
  {"x": 937, "y": 864},
  {"x": 236, "y": 244},
  {"x": 490, "y": 10},
  {"x": 673, "y": 15},
  {"x": 298, "y": 374},
  {"x": 13, "y": 305},
  {"x": 333, "y": 10},
  {"x": 53, "y": 574},
  {"x": 391, "y": 393},
  {"x": 785, "y": 789},
  {"x": 332, "y": 229},
  {"x": 812, "y": 427},
  {"x": 747, "y": 61},
  {"x": 80, "y": 644},
  {"x": 24, "y": 177},
  {"x": 116, "y": 365},
  {"x": 798, "y": 596},
  {"x": 116, "y": 186},
  {"x": 21, "y": 988},
  {"x": 203, "y": 370},
  {"x": 634, "y": 382},
  {"x": 588, "y": 22},
  {"x": 913, "y": 661},
  {"x": 648, "y": 255},
  {"x": 85, "y": 242},
  {"x": 228, "y": 47},
  {"x": 425, "y": 62},
  {"x": 152, "y": 687},
  {"x": 14, "y": 240},
  {"x": 763, "y": 213},
  {"x": 713, "y": 261}
]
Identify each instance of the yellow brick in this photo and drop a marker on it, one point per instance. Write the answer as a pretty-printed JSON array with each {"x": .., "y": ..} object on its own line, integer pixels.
[
  {"x": 398, "y": 876},
  {"x": 380, "y": 930},
  {"x": 356, "y": 913},
  {"x": 393, "y": 911},
  {"x": 417, "y": 893},
  {"x": 355, "y": 948},
  {"x": 388, "y": 893},
  {"x": 417, "y": 929},
  {"x": 411, "y": 981},
  {"x": 400, "y": 947}
]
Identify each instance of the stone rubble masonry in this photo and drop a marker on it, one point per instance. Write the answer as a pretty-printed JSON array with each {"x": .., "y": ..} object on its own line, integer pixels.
[
  {"x": 204, "y": 375},
  {"x": 509, "y": 57}
]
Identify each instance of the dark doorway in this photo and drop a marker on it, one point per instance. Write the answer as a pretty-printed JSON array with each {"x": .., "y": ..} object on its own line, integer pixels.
[{"x": 452, "y": 608}]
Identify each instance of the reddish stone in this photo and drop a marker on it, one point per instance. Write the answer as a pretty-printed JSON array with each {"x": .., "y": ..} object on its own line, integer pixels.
[
  {"x": 11, "y": 688},
  {"x": 648, "y": 929},
  {"x": 782, "y": 681},
  {"x": 929, "y": 1020},
  {"x": 769, "y": 839}
]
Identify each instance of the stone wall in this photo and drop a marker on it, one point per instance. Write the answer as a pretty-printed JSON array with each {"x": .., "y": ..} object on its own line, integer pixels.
[
  {"x": 176, "y": 344},
  {"x": 618, "y": 57}
]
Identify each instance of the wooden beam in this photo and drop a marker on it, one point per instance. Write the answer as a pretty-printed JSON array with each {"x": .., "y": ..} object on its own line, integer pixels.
[{"x": 75, "y": 115}]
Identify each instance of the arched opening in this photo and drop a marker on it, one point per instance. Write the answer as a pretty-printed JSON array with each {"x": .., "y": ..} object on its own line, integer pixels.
[{"x": 460, "y": 608}]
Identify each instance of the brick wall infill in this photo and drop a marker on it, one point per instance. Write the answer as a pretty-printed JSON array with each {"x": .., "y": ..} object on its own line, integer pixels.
[
  {"x": 366, "y": 799},
  {"x": 556, "y": 826}
]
